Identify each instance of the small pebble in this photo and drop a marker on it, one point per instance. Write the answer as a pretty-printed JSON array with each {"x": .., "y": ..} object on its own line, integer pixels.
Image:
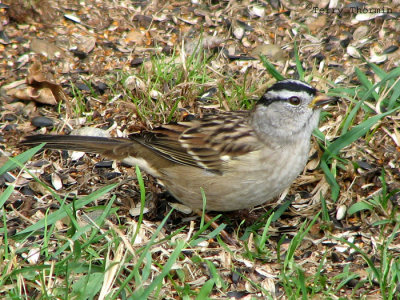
[
  {"x": 17, "y": 203},
  {"x": 238, "y": 32},
  {"x": 101, "y": 87},
  {"x": 361, "y": 32},
  {"x": 353, "y": 52},
  {"x": 27, "y": 191},
  {"x": 79, "y": 54},
  {"x": 10, "y": 117},
  {"x": 42, "y": 122},
  {"x": 236, "y": 276},
  {"x": 335, "y": 257},
  {"x": 378, "y": 59},
  {"x": 10, "y": 127},
  {"x": 341, "y": 212},
  {"x": 134, "y": 83},
  {"x": 82, "y": 86},
  {"x": 154, "y": 94},
  {"x": 139, "y": 60},
  {"x": 8, "y": 177},
  {"x": 345, "y": 42},
  {"x": 258, "y": 11},
  {"x": 208, "y": 94},
  {"x": 352, "y": 282},
  {"x": 112, "y": 175},
  {"x": 390, "y": 49},
  {"x": 364, "y": 165},
  {"x": 104, "y": 164},
  {"x": 168, "y": 50},
  {"x": 56, "y": 181}
]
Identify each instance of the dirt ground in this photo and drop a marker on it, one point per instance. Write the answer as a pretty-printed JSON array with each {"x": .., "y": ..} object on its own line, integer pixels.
[{"x": 92, "y": 58}]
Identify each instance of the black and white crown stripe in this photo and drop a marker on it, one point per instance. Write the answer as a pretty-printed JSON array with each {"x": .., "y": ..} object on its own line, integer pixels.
[
  {"x": 283, "y": 90},
  {"x": 293, "y": 86}
]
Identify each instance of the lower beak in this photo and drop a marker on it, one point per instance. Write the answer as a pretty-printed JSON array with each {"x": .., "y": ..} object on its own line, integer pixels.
[{"x": 321, "y": 99}]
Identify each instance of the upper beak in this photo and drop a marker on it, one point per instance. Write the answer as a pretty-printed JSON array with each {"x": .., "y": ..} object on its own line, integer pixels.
[{"x": 322, "y": 99}]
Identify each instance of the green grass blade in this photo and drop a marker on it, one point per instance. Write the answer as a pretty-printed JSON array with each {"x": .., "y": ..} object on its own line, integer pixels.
[
  {"x": 325, "y": 212},
  {"x": 271, "y": 69},
  {"x": 281, "y": 209},
  {"x": 378, "y": 71},
  {"x": 395, "y": 95},
  {"x": 264, "y": 235},
  {"x": 142, "y": 200},
  {"x": 299, "y": 67},
  {"x": 359, "y": 206},
  {"x": 140, "y": 260},
  {"x": 205, "y": 290},
  {"x": 219, "y": 282},
  {"x": 20, "y": 159},
  {"x": 157, "y": 282},
  {"x": 355, "y": 133},
  {"x": 369, "y": 262},
  {"x": 6, "y": 194},
  {"x": 343, "y": 141},
  {"x": 57, "y": 215},
  {"x": 394, "y": 74},
  {"x": 350, "y": 117},
  {"x": 330, "y": 178},
  {"x": 86, "y": 228},
  {"x": 366, "y": 83}
]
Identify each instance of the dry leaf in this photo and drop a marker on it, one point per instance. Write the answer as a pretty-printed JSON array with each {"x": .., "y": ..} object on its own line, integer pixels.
[
  {"x": 38, "y": 88},
  {"x": 45, "y": 48}
]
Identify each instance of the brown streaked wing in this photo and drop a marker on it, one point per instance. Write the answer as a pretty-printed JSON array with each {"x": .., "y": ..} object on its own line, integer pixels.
[
  {"x": 165, "y": 141},
  {"x": 220, "y": 137},
  {"x": 205, "y": 143}
]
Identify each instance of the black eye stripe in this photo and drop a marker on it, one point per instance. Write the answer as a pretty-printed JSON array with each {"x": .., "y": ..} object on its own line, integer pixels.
[
  {"x": 284, "y": 90},
  {"x": 264, "y": 100}
]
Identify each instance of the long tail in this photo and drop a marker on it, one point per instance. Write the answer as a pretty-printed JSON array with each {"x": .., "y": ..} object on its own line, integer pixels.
[{"x": 109, "y": 147}]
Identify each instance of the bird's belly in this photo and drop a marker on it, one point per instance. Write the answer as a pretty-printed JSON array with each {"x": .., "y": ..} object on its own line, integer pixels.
[{"x": 247, "y": 185}]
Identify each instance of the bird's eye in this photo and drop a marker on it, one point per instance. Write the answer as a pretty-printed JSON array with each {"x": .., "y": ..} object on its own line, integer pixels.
[{"x": 294, "y": 100}]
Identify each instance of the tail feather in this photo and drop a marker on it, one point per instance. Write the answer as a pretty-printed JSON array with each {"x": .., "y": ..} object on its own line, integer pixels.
[{"x": 91, "y": 144}]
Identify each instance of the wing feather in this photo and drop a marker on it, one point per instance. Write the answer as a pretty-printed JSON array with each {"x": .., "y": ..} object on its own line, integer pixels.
[{"x": 205, "y": 143}]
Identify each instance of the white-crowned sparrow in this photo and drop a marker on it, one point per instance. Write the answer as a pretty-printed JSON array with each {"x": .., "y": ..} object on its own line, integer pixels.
[{"x": 240, "y": 159}]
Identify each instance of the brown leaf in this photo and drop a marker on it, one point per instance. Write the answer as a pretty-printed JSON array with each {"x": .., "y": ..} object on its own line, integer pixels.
[
  {"x": 135, "y": 37},
  {"x": 38, "y": 80},
  {"x": 38, "y": 88},
  {"x": 86, "y": 44},
  {"x": 45, "y": 48},
  {"x": 29, "y": 93}
]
